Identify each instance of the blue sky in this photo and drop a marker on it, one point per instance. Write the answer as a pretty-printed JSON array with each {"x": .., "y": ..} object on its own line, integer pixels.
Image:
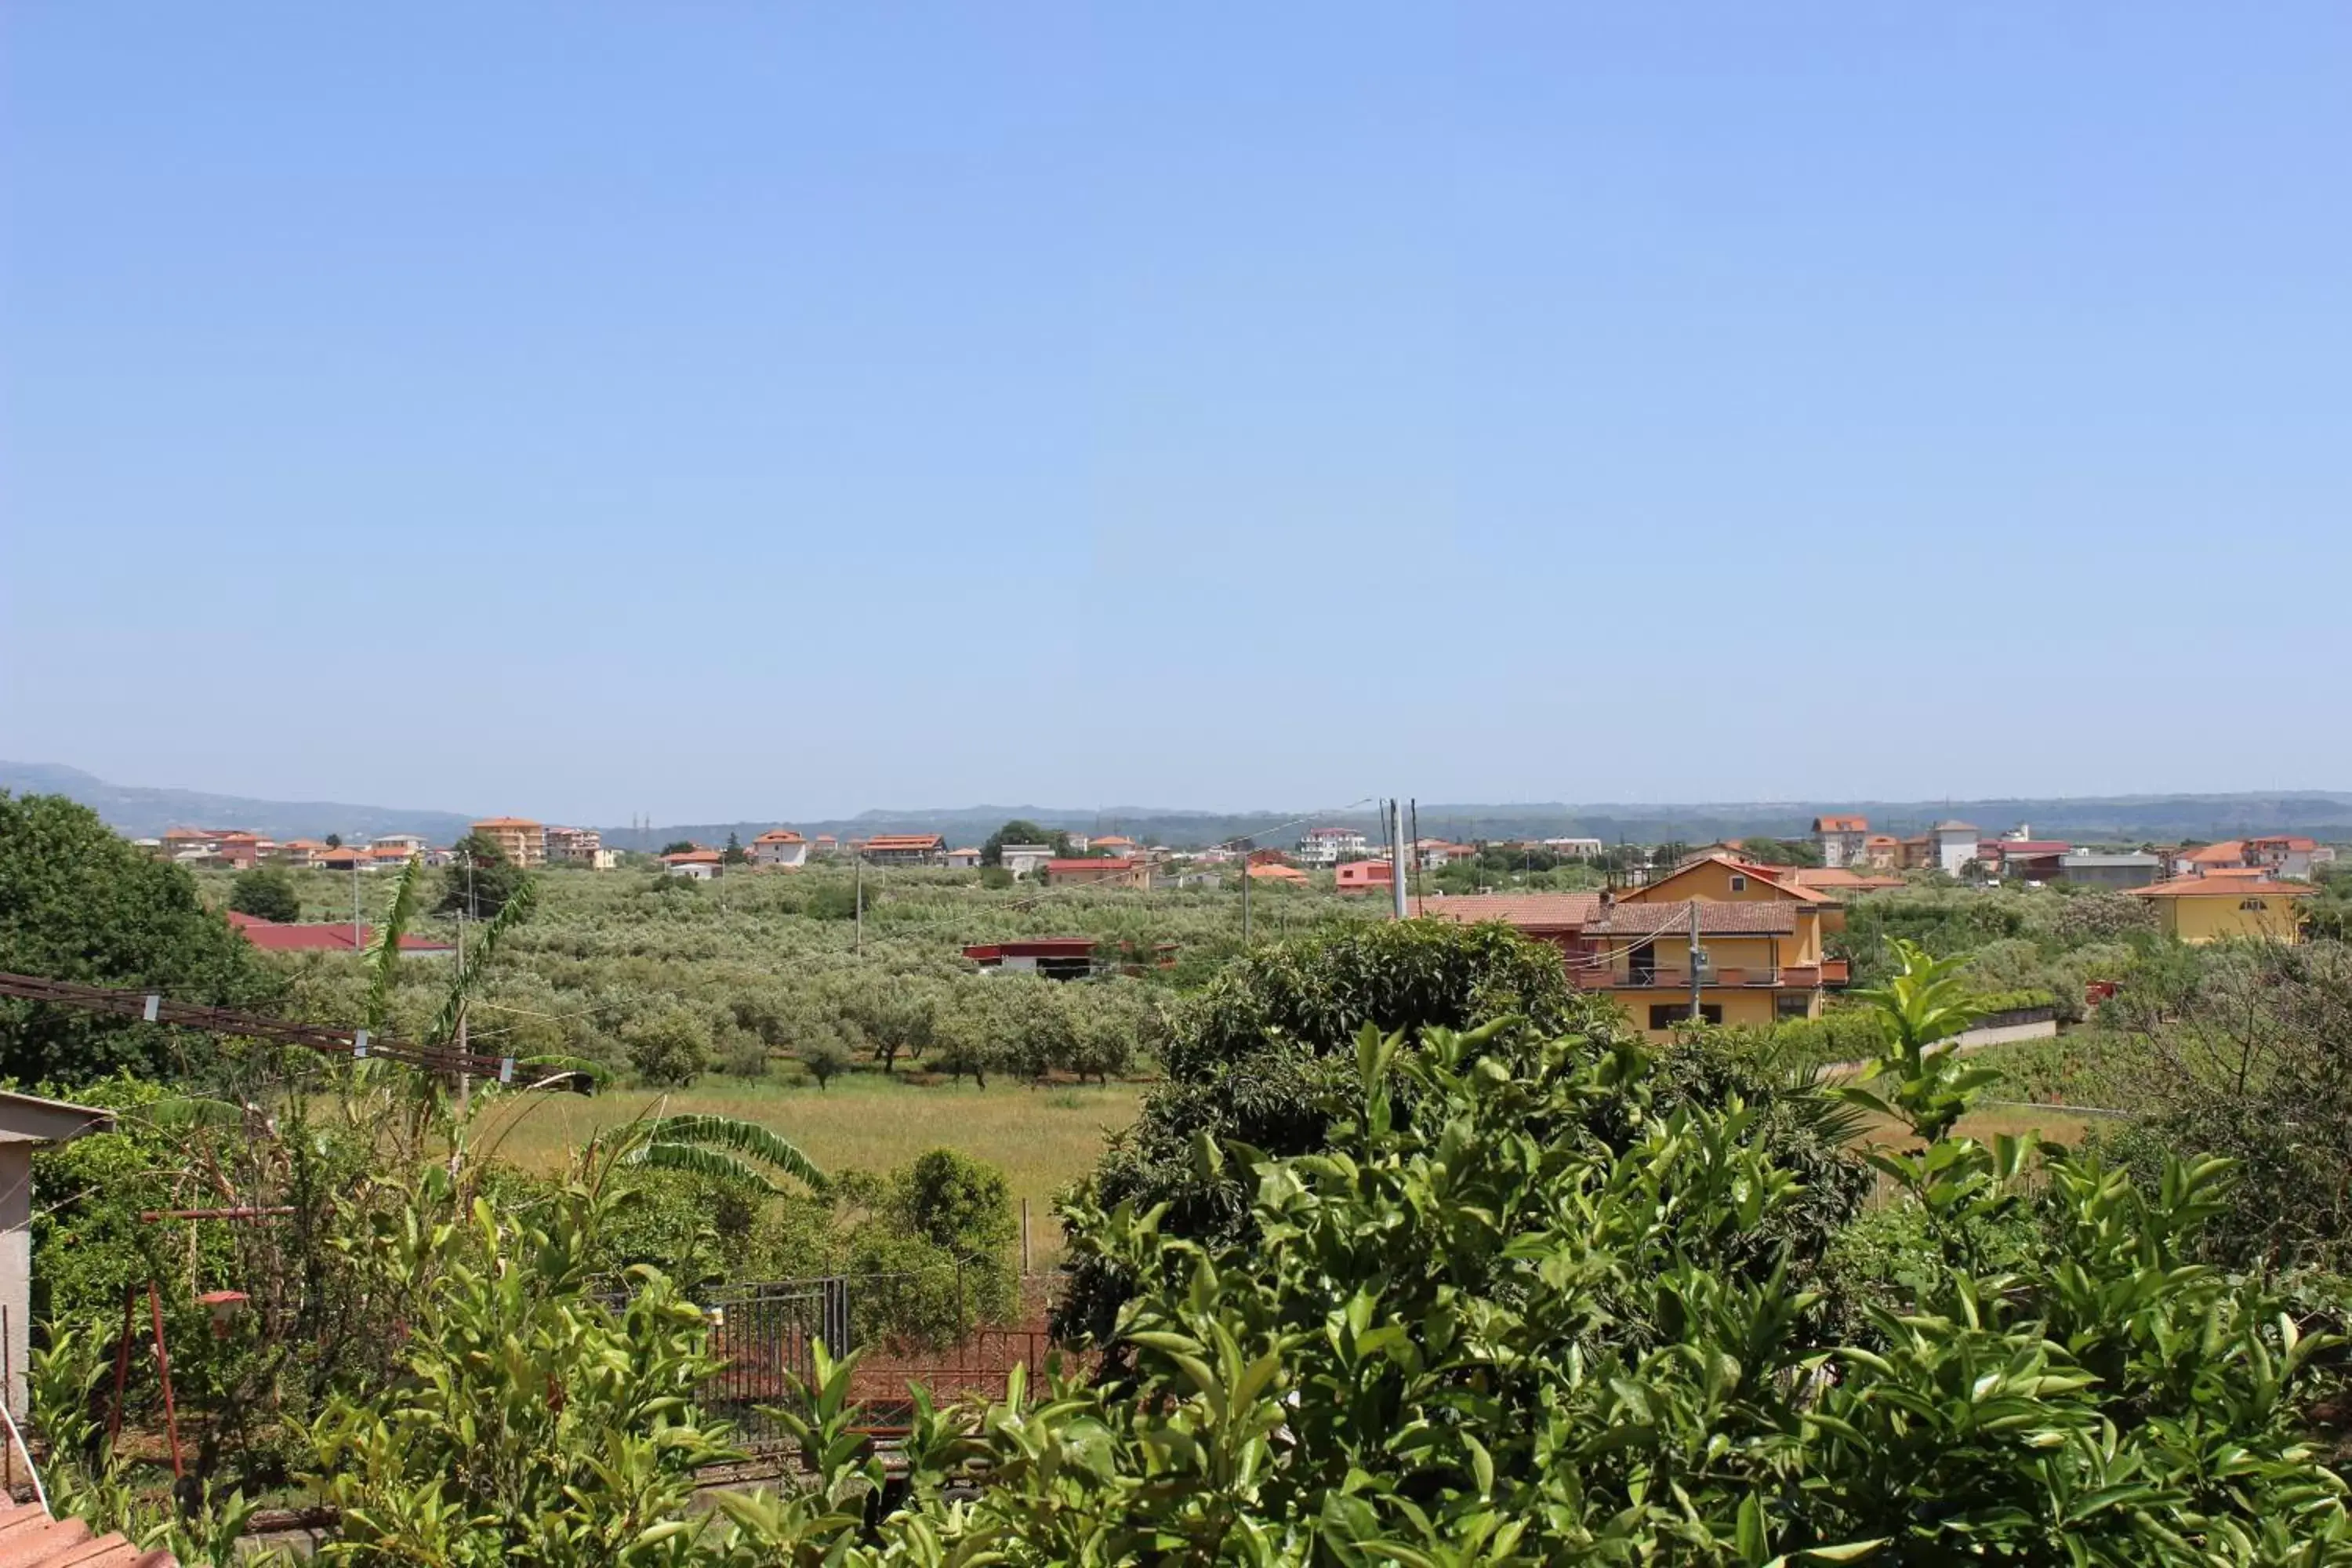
[{"x": 763, "y": 411}]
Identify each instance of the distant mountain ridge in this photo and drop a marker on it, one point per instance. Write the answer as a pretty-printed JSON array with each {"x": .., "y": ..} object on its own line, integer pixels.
[{"x": 140, "y": 812}]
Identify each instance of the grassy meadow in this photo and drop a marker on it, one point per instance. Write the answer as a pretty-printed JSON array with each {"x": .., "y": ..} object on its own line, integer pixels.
[{"x": 1041, "y": 1138}]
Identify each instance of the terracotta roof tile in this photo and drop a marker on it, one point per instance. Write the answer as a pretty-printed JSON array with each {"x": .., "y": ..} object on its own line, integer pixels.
[
  {"x": 1716, "y": 917},
  {"x": 29, "y": 1538},
  {"x": 1527, "y": 912}
]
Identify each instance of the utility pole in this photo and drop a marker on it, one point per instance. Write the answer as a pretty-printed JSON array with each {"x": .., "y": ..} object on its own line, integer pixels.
[
  {"x": 1245, "y": 885},
  {"x": 858, "y": 855},
  {"x": 465, "y": 1078},
  {"x": 1416, "y": 847},
  {"x": 355, "y": 896},
  {"x": 1396, "y": 856},
  {"x": 1697, "y": 955}
]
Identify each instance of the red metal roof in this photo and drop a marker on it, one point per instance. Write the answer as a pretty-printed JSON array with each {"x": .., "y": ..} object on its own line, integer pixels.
[
  {"x": 1032, "y": 947},
  {"x": 273, "y": 936}
]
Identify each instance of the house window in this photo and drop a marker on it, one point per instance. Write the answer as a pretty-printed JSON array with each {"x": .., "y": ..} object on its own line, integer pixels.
[
  {"x": 1739, "y": 884},
  {"x": 1666, "y": 1014},
  {"x": 2254, "y": 905},
  {"x": 1792, "y": 1004}
]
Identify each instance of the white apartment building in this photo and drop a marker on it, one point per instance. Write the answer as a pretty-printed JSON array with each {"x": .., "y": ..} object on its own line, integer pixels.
[{"x": 1329, "y": 845}]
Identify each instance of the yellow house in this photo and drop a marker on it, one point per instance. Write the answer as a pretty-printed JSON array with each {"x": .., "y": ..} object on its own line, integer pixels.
[
  {"x": 1760, "y": 954},
  {"x": 522, "y": 841},
  {"x": 2222, "y": 908}
]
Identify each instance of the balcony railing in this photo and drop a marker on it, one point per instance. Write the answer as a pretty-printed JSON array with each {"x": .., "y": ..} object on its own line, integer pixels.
[{"x": 1791, "y": 976}]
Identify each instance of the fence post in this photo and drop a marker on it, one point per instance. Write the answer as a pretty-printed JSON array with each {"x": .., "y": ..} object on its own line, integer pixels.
[
  {"x": 835, "y": 1316},
  {"x": 1024, "y": 1238}
]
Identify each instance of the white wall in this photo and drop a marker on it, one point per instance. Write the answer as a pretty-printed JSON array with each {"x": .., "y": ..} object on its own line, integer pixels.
[{"x": 16, "y": 1265}]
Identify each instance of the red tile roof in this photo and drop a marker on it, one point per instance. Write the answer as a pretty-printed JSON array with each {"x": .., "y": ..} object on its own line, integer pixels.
[
  {"x": 1841, "y": 823},
  {"x": 1716, "y": 917},
  {"x": 694, "y": 857},
  {"x": 1274, "y": 871},
  {"x": 1837, "y": 878},
  {"x": 2223, "y": 888},
  {"x": 1527, "y": 912},
  {"x": 905, "y": 841},
  {"x": 778, "y": 836},
  {"x": 1093, "y": 863},
  {"x": 29, "y": 1538},
  {"x": 274, "y": 936},
  {"x": 506, "y": 822}
]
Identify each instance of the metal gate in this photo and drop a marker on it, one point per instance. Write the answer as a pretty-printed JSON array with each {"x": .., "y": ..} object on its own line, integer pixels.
[{"x": 765, "y": 1335}]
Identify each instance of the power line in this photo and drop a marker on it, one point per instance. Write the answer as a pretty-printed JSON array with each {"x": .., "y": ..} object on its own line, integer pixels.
[{"x": 155, "y": 1008}]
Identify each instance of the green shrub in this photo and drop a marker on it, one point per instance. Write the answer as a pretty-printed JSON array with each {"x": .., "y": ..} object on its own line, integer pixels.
[
  {"x": 670, "y": 1047},
  {"x": 267, "y": 893}
]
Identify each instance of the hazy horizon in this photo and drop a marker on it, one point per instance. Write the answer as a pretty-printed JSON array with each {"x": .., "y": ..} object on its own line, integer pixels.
[{"x": 769, "y": 411}]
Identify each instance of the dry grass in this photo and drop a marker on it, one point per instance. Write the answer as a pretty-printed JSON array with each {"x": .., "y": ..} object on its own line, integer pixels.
[{"x": 1039, "y": 1137}]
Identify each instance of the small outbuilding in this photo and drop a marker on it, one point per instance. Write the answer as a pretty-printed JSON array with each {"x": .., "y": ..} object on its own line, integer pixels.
[{"x": 27, "y": 1122}]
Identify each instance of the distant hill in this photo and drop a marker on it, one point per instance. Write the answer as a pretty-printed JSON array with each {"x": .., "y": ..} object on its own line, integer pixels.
[
  {"x": 146, "y": 813},
  {"x": 2122, "y": 818},
  {"x": 140, "y": 813}
]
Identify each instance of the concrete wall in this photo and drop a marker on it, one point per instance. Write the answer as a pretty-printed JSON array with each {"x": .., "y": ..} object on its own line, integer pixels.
[
  {"x": 16, "y": 1265},
  {"x": 2002, "y": 1033}
]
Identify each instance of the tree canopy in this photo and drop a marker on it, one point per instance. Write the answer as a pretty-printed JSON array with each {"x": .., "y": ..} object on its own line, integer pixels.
[
  {"x": 77, "y": 902},
  {"x": 479, "y": 879},
  {"x": 1252, "y": 1059},
  {"x": 1019, "y": 830},
  {"x": 267, "y": 893}
]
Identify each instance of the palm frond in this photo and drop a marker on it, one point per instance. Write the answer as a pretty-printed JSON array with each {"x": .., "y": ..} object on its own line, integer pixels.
[
  {"x": 740, "y": 1137},
  {"x": 700, "y": 1161},
  {"x": 384, "y": 947},
  {"x": 471, "y": 969}
]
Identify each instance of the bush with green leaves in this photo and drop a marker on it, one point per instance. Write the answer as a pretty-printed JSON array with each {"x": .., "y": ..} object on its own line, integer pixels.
[
  {"x": 1252, "y": 1060},
  {"x": 2251, "y": 1058},
  {"x": 1465, "y": 1329},
  {"x": 535, "y": 1422},
  {"x": 267, "y": 893},
  {"x": 669, "y": 1048}
]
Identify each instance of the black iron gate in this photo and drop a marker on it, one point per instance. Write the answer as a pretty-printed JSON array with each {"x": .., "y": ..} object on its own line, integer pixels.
[{"x": 765, "y": 1335}]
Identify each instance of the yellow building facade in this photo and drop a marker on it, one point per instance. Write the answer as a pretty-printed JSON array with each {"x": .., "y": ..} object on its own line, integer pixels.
[
  {"x": 1759, "y": 944},
  {"x": 522, "y": 841},
  {"x": 2229, "y": 908}
]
